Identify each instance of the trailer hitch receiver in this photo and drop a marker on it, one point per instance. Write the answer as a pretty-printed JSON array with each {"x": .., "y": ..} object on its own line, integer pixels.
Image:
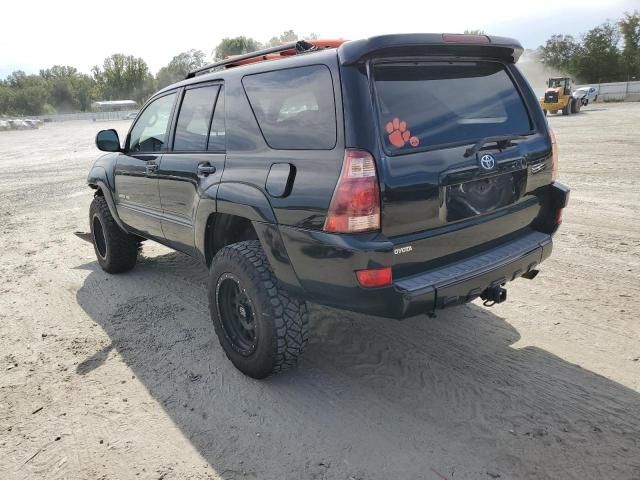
[{"x": 493, "y": 295}]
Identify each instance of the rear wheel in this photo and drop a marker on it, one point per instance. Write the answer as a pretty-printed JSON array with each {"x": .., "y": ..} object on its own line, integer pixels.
[
  {"x": 116, "y": 250},
  {"x": 262, "y": 329}
]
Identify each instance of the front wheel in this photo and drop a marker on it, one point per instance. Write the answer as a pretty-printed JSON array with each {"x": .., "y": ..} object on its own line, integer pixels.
[
  {"x": 116, "y": 250},
  {"x": 261, "y": 328}
]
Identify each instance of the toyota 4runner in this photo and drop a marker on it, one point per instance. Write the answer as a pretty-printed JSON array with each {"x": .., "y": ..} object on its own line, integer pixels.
[{"x": 391, "y": 176}]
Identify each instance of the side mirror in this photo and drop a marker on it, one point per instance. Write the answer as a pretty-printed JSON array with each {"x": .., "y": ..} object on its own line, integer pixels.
[{"x": 108, "y": 141}]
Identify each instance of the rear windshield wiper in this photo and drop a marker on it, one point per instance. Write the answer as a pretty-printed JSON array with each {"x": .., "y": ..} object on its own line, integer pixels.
[{"x": 499, "y": 140}]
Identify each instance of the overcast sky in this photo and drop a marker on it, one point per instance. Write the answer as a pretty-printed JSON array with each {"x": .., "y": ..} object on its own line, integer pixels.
[{"x": 37, "y": 34}]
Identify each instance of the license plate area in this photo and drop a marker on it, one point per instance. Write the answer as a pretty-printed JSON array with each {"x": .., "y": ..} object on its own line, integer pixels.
[{"x": 482, "y": 195}]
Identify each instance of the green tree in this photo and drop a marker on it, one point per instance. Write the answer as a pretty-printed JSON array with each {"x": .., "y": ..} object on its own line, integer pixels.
[
  {"x": 630, "y": 30},
  {"x": 123, "y": 77},
  {"x": 69, "y": 90},
  {"x": 235, "y": 46},
  {"x": 29, "y": 93},
  {"x": 6, "y": 98},
  {"x": 179, "y": 67},
  {"x": 559, "y": 52},
  {"x": 83, "y": 85},
  {"x": 287, "y": 36},
  {"x": 598, "y": 57}
]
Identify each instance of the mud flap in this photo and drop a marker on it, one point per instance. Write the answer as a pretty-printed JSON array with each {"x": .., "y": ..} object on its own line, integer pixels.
[{"x": 86, "y": 236}]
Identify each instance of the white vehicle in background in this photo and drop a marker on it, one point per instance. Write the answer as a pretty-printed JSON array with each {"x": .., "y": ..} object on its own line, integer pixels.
[
  {"x": 18, "y": 124},
  {"x": 31, "y": 123},
  {"x": 586, "y": 94}
]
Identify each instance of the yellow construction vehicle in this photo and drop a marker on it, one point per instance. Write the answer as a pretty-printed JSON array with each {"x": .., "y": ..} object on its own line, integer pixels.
[{"x": 559, "y": 97}]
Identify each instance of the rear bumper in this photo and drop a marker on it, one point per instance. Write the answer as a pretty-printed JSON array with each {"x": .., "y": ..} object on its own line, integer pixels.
[
  {"x": 464, "y": 281},
  {"x": 331, "y": 280},
  {"x": 325, "y": 266}
]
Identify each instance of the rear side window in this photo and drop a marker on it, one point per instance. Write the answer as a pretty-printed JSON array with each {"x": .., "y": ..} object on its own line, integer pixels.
[
  {"x": 192, "y": 128},
  {"x": 422, "y": 105},
  {"x": 295, "y": 107}
]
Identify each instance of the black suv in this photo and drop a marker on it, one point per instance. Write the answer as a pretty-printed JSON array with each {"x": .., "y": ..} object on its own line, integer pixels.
[{"x": 392, "y": 176}]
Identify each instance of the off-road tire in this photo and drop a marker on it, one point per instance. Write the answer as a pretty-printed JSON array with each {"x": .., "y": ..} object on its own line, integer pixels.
[
  {"x": 545, "y": 112},
  {"x": 567, "y": 110},
  {"x": 117, "y": 252},
  {"x": 281, "y": 321}
]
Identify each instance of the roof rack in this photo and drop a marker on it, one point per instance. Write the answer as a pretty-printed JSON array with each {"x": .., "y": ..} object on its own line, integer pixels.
[{"x": 279, "y": 51}]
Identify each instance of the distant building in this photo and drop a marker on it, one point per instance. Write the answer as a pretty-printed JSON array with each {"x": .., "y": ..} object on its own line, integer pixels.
[{"x": 114, "y": 105}]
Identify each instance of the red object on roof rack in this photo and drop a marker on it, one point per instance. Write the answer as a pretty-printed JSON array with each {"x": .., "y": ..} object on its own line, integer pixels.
[
  {"x": 271, "y": 53},
  {"x": 318, "y": 44}
]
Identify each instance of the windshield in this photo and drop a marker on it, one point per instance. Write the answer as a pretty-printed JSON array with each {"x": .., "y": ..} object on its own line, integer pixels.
[{"x": 424, "y": 104}]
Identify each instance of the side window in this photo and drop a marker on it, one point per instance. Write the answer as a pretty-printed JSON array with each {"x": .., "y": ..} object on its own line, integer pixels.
[
  {"x": 295, "y": 108},
  {"x": 217, "y": 133},
  {"x": 149, "y": 134},
  {"x": 194, "y": 118}
]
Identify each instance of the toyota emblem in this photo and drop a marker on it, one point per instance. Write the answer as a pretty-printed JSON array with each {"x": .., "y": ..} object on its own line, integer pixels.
[{"x": 487, "y": 162}]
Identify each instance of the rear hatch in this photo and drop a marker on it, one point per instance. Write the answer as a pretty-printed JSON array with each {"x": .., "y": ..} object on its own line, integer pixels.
[{"x": 457, "y": 147}]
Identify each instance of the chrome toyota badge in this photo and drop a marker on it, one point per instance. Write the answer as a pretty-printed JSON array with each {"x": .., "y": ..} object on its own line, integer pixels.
[{"x": 487, "y": 162}]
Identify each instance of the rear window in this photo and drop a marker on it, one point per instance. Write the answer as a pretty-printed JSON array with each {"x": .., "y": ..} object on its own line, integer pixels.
[
  {"x": 294, "y": 107},
  {"x": 425, "y": 104}
]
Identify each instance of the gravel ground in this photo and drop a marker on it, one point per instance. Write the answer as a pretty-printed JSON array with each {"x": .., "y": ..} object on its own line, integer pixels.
[{"x": 118, "y": 377}]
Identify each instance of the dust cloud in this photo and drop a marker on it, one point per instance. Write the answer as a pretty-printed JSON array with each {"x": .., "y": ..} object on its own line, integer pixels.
[{"x": 536, "y": 73}]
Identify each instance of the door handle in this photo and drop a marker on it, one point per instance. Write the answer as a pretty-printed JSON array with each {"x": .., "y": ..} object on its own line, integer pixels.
[{"x": 205, "y": 169}]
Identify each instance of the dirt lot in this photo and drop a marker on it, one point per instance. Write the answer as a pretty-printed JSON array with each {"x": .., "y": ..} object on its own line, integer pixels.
[{"x": 118, "y": 377}]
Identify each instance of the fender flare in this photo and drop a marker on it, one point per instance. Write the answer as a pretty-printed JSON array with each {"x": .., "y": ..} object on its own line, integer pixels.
[
  {"x": 245, "y": 201},
  {"x": 98, "y": 179},
  {"x": 248, "y": 202},
  {"x": 232, "y": 198}
]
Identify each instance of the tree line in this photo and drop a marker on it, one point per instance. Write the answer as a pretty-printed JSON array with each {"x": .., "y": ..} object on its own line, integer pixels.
[
  {"x": 609, "y": 52},
  {"x": 63, "y": 89}
]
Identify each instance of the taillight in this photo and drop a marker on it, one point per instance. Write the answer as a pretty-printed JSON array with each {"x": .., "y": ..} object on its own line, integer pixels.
[
  {"x": 355, "y": 205},
  {"x": 554, "y": 156},
  {"x": 375, "y": 277}
]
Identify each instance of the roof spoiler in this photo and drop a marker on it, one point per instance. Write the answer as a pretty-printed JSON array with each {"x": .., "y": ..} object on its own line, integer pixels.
[{"x": 420, "y": 44}]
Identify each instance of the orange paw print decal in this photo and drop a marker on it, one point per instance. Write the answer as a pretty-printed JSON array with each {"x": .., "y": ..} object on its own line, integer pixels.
[{"x": 399, "y": 135}]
